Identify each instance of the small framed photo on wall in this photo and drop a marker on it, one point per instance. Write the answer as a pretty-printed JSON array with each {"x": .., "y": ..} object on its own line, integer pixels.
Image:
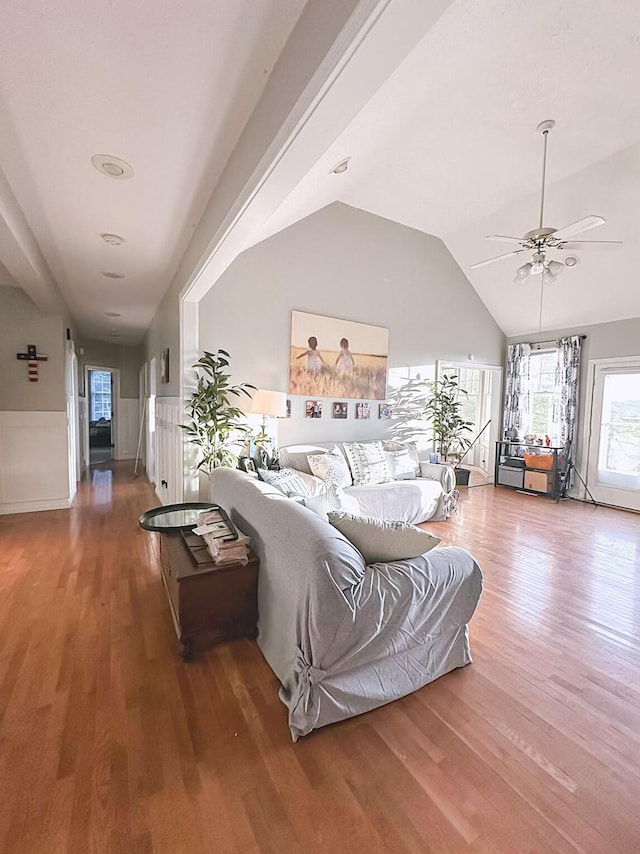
[
  {"x": 362, "y": 411},
  {"x": 288, "y": 408},
  {"x": 313, "y": 409},
  {"x": 340, "y": 409},
  {"x": 384, "y": 411}
]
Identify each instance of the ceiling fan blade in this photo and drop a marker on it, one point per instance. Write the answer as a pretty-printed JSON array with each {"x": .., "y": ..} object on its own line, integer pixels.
[
  {"x": 576, "y": 227},
  {"x": 497, "y": 258},
  {"x": 578, "y": 244},
  {"x": 503, "y": 239}
]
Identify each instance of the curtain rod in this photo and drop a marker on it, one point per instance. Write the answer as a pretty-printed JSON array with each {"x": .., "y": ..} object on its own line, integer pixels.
[{"x": 552, "y": 342}]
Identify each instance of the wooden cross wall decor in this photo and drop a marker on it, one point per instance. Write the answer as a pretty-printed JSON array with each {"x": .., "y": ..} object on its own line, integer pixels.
[{"x": 32, "y": 357}]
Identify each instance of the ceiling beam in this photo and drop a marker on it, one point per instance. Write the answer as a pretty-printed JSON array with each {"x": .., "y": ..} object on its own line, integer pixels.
[{"x": 20, "y": 254}]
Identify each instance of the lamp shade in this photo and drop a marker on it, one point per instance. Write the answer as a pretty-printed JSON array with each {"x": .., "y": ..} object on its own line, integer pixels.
[{"x": 269, "y": 403}]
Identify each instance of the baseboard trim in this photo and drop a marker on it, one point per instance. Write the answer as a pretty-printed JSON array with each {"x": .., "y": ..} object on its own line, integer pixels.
[{"x": 34, "y": 506}]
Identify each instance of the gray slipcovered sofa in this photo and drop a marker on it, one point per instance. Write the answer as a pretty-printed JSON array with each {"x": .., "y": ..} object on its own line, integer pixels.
[{"x": 343, "y": 637}]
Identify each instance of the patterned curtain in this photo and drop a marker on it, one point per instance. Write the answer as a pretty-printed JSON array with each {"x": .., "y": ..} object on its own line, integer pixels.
[
  {"x": 516, "y": 395},
  {"x": 565, "y": 392}
]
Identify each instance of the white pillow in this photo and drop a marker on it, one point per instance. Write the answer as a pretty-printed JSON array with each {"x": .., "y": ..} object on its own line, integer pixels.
[
  {"x": 334, "y": 498},
  {"x": 379, "y": 541},
  {"x": 367, "y": 462},
  {"x": 392, "y": 445},
  {"x": 400, "y": 465},
  {"x": 331, "y": 467},
  {"x": 288, "y": 481}
]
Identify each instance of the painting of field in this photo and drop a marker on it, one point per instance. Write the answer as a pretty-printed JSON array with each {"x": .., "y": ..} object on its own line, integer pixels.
[{"x": 337, "y": 358}]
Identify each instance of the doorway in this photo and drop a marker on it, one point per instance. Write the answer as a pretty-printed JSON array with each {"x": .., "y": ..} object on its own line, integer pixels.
[
  {"x": 480, "y": 407},
  {"x": 101, "y": 412},
  {"x": 613, "y": 468}
]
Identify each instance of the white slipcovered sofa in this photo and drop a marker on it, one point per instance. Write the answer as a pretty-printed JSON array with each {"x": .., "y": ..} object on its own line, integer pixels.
[
  {"x": 343, "y": 637},
  {"x": 431, "y": 495}
]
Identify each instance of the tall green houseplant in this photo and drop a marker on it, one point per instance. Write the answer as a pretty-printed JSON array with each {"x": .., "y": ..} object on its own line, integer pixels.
[
  {"x": 444, "y": 410},
  {"x": 216, "y": 424}
]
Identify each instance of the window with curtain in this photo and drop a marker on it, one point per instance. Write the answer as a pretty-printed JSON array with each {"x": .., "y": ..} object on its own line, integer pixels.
[{"x": 541, "y": 390}]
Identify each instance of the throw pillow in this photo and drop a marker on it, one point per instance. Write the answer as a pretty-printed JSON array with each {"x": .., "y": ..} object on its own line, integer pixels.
[
  {"x": 288, "y": 481},
  {"x": 400, "y": 465},
  {"x": 330, "y": 467},
  {"x": 390, "y": 445},
  {"x": 383, "y": 541},
  {"x": 334, "y": 498},
  {"x": 367, "y": 462}
]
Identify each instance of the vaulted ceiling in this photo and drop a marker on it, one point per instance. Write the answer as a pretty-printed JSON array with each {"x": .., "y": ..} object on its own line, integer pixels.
[{"x": 444, "y": 143}]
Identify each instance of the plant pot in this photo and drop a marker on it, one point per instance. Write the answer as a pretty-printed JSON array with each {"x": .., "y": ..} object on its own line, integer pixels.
[{"x": 462, "y": 477}]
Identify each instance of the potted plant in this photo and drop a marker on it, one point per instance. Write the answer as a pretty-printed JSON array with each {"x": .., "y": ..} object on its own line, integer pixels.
[
  {"x": 216, "y": 425},
  {"x": 449, "y": 429}
]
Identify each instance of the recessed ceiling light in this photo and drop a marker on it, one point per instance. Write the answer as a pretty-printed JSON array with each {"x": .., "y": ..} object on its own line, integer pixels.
[
  {"x": 112, "y": 239},
  {"x": 341, "y": 167},
  {"x": 112, "y": 314},
  {"x": 114, "y": 167},
  {"x": 571, "y": 261},
  {"x": 110, "y": 275}
]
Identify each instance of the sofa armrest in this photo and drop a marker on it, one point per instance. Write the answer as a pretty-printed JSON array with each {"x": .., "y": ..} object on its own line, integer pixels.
[{"x": 443, "y": 473}]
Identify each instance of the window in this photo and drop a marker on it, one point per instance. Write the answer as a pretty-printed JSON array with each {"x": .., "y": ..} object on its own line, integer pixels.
[
  {"x": 542, "y": 374},
  {"x": 100, "y": 395}
]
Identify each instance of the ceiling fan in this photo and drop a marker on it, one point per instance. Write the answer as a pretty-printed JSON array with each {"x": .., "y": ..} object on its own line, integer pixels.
[{"x": 539, "y": 240}]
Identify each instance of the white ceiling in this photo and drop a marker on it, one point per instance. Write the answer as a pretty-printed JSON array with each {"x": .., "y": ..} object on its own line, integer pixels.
[
  {"x": 446, "y": 144},
  {"x": 168, "y": 87}
]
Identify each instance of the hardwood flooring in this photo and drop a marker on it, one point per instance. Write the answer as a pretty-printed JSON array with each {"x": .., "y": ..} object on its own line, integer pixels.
[{"x": 109, "y": 743}]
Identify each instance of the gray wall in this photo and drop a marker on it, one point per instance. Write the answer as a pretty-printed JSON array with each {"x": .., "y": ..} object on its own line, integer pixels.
[
  {"x": 128, "y": 360},
  {"x": 344, "y": 262},
  {"x": 22, "y": 323}
]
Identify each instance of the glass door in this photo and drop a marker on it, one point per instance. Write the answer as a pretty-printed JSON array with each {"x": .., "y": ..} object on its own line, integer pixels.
[{"x": 614, "y": 451}]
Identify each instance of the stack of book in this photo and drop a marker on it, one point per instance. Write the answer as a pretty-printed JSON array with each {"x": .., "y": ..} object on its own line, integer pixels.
[{"x": 225, "y": 544}]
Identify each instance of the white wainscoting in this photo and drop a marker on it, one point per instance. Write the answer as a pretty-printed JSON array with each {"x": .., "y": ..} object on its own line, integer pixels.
[
  {"x": 169, "y": 443},
  {"x": 128, "y": 426},
  {"x": 34, "y": 464}
]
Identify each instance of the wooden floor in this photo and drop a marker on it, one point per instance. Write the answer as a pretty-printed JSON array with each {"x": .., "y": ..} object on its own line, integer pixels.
[{"x": 108, "y": 743}]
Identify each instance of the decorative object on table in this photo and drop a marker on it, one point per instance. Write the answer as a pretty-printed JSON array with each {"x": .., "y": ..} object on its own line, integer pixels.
[
  {"x": 362, "y": 411},
  {"x": 164, "y": 366},
  {"x": 330, "y": 357},
  {"x": 313, "y": 409},
  {"x": 174, "y": 517},
  {"x": 269, "y": 404},
  {"x": 223, "y": 542},
  {"x": 340, "y": 409},
  {"x": 32, "y": 357},
  {"x": 385, "y": 411},
  {"x": 216, "y": 426}
]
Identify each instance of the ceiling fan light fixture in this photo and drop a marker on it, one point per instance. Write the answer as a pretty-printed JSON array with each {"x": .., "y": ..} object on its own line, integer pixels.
[
  {"x": 524, "y": 272},
  {"x": 555, "y": 268},
  {"x": 537, "y": 267}
]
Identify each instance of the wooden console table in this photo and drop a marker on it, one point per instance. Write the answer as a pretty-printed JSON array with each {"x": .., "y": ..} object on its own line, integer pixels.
[{"x": 209, "y": 603}]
